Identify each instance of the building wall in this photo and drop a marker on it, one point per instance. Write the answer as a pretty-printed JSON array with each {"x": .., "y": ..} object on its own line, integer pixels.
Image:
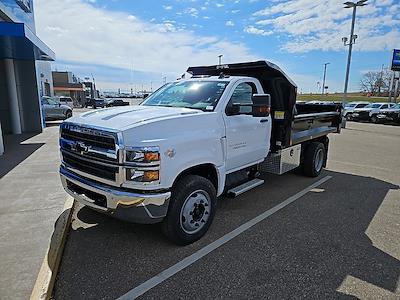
[
  {"x": 20, "y": 11},
  {"x": 44, "y": 75},
  {"x": 4, "y": 105},
  {"x": 28, "y": 96}
]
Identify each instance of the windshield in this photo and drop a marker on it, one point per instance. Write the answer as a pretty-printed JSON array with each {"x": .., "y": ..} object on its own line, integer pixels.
[
  {"x": 351, "y": 105},
  {"x": 202, "y": 95},
  {"x": 48, "y": 100},
  {"x": 373, "y": 106}
]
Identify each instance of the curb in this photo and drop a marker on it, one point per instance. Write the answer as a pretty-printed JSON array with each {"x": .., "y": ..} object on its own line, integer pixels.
[{"x": 44, "y": 284}]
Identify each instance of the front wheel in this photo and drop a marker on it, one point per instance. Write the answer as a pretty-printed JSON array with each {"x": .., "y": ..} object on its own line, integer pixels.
[
  {"x": 191, "y": 210},
  {"x": 374, "y": 119}
]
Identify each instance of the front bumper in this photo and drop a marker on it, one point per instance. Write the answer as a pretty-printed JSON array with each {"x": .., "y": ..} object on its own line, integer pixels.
[
  {"x": 360, "y": 116},
  {"x": 121, "y": 204}
]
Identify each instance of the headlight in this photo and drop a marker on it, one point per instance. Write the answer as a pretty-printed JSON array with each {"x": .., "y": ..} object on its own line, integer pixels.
[
  {"x": 142, "y": 175},
  {"x": 143, "y": 163},
  {"x": 143, "y": 154}
]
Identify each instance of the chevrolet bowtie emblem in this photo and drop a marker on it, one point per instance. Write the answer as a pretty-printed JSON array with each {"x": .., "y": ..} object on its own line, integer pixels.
[{"x": 79, "y": 147}]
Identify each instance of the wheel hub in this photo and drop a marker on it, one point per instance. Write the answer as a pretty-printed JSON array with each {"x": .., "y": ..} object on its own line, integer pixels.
[{"x": 195, "y": 211}]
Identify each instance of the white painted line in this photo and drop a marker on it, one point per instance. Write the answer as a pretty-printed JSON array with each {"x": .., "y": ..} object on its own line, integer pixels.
[{"x": 171, "y": 271}]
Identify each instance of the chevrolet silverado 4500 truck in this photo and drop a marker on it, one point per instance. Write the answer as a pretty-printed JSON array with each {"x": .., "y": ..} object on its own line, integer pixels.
[{"x": 169, "y": 158}]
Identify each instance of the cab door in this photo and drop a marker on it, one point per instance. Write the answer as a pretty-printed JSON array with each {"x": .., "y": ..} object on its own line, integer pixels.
[{"x": 247, "y": 137}]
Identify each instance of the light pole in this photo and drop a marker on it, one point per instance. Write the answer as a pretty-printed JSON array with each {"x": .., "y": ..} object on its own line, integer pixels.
[
  {"x": 323, "y": 83},
  {"x": 351, "y": 42},
  {"x": 220, "y": 59}
]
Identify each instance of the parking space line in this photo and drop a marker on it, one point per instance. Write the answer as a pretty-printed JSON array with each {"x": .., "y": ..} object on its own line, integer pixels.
[{"x": 171, "y": 271}]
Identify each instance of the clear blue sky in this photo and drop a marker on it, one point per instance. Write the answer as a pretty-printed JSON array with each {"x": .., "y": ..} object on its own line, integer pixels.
[{"x": 127, "y": 43}]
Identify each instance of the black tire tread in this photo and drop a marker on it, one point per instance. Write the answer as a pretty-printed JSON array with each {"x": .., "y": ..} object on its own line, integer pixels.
[
  {"x": 170, "y": 225},
  {"x": 309, "y": 159}
]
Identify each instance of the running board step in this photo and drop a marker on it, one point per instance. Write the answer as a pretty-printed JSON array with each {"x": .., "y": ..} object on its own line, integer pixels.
[{"x": 247, "y": 186}]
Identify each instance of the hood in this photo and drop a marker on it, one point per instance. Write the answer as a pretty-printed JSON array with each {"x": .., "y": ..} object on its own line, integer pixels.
[
  {"x": 387, "y": 110},
  {"x": 363, "y": 109},
  {"x": 121, "y": 118}
]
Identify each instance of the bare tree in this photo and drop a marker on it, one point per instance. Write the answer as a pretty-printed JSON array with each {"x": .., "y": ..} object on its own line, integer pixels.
[{"x": 376, "y": 82}]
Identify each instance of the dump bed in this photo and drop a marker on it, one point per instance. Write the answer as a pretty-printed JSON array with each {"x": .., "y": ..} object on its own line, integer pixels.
[{"x": 292, "y": 123}]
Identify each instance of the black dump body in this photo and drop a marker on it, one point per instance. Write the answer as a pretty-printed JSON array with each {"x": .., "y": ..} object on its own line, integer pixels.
[{"x": 292, "y": 124}]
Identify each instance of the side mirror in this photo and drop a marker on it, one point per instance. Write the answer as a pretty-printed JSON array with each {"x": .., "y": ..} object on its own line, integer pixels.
[{"x": 261, "y": 105}]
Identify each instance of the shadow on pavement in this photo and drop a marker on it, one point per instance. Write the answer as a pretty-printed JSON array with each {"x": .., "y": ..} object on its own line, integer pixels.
[
  {"x": 305, "y": 250},
  {"x": 16, "y": 151}
]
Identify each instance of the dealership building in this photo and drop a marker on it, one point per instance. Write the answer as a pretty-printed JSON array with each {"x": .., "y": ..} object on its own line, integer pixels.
[{"x": 25, "y": 71}]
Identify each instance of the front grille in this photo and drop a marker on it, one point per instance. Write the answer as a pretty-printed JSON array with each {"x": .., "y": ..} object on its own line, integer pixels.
[
  {"x": 91, "y": 151},
  {"x": 90, "y": 137},
  {"x": 363, "y": 114},
  {"x": 90, "y": 167}
]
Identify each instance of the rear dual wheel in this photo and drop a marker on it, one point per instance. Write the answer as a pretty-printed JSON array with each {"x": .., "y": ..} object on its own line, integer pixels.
[{"x": 314, "y": 159}]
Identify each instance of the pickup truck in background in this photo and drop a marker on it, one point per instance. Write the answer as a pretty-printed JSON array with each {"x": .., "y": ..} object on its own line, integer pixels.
[
  {"x": 350, "y": 107},
  {"x": 169, "y": 158},
  {"x": 389, "y": 115},
  {"x": 370, "y": 112}
]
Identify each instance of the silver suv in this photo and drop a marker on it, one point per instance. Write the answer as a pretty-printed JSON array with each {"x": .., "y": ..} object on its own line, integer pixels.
[{"x": 54, "y": 110}]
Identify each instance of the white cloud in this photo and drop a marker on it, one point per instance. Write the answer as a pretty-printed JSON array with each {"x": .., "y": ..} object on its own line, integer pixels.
[
  {"x": 230, "y": 23},
  {"x": 320, "y": 25},
  {"x": 167, "y": 7},
  {"x": 81, "y": 33},
  {"x": 192, "y": 11},
  {"x": 257, "y": 31}
]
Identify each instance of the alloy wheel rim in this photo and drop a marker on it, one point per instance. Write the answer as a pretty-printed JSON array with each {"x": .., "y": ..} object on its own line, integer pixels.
[{"x": 319, "y": 160}]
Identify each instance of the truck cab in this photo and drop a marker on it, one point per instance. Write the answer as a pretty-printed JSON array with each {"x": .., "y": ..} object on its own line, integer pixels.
[{"x": 193, "y": 140}]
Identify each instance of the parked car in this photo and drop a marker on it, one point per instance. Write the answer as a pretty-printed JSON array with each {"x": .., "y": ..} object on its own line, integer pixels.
[
  {"x": 168, "y": 159},
  {"x": 370, "y": 112},
  {"x": 95, "y": 102},
  {"x": 351, "y": 106},
  {"x": 66, "y": 101},
  {"x": 116, "y": 102},
  {"x": 390, "y": 114},
  {"x": 54, "y": 110}
]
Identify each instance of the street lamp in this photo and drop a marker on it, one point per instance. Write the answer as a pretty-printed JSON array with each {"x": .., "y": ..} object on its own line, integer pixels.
[
  {"x": 220, "y": 59},
  {"x": 323, "y": 84},
  {"x": 350, "y": 42}
]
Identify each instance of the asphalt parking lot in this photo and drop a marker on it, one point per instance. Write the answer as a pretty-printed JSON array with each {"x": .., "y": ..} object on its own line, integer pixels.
[{"x": 339, "y": 240}]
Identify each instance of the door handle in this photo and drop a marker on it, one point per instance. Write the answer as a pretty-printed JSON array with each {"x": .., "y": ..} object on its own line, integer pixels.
[{"x": 263, "y": 120}]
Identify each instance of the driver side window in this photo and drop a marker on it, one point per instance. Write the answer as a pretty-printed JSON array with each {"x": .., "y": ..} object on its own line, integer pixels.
[{"x": 243, "y": 94}]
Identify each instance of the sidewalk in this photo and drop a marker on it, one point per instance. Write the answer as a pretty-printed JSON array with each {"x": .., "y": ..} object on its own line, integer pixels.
[{"x": 31, "y": 199}]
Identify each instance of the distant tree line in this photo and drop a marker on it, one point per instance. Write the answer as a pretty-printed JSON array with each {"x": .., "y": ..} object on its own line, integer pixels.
[{"x": 376, "y": 83}]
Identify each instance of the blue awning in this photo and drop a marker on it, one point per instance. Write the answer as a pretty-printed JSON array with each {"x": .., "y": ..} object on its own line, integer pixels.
[{"x": 17, "y": 41}]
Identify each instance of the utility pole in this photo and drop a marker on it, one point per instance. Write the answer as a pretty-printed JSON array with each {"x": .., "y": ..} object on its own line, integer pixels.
[
  {"x": 323, "y": 82},
  {"x": 380, "y": 81},
  {"x": 352, "y": 41},
  {"x": 220, "y": 59}
]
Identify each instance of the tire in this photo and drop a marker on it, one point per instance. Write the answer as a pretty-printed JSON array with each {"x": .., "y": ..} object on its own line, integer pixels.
[
  {"x": 374, "y": 119},
  {"x": 314, "y": 158},
  {"x": 191, "y": 210},
  {"x": 68, "y": 114}
]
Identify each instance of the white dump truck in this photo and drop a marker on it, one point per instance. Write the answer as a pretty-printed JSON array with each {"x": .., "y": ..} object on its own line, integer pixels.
[{"x": 209, "y": 134}]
